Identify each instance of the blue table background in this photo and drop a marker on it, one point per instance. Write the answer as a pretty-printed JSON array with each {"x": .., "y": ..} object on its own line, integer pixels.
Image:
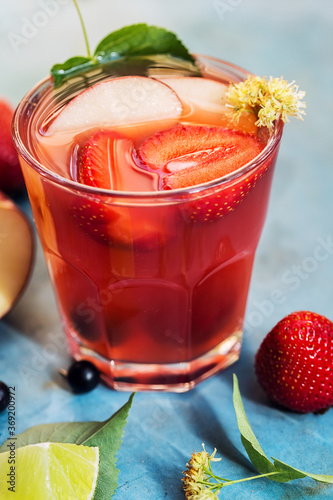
[{"x": 289, "y": 38}]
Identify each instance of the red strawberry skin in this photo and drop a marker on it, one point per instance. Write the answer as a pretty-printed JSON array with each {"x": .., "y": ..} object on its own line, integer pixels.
[
  {"x": 95, "y": 159},
  {"x": 11, "y": 178},
  {"x": 294, "y": 364},
  {"x": 100, "y": 164},
  {"x": 191, "y": 155},
  {"x": 178, "y": 156},
  {"x": 197, "y": 154}
]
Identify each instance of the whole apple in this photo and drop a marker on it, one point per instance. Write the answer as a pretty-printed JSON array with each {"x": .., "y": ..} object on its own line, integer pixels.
[
  {"x": 11, "y": 178},
  {"x": 16, "y": 253}
]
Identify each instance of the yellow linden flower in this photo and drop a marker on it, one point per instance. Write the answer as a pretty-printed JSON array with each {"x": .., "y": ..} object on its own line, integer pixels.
[
  {"x": 196, "y": 476},
  {"x": 270, "y": 99}
]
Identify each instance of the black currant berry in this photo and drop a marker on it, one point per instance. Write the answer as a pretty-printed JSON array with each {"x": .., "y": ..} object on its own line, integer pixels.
[
  {"x": 83, "y": 376},
  {"x": 4, "y": 396}
]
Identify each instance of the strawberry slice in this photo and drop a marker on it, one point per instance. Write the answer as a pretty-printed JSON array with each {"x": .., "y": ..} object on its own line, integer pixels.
[
  {"x": 95, "y": 166},
  {"x": 196, "y": 154},
  {"x": 104, "y": 161},
  {"x": 97, "y": 162},
  {"x": 101, "y": 222},
  {"x": 191, "y": 155}
]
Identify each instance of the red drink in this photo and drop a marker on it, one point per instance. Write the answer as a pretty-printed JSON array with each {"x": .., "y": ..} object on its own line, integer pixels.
[{"x": 151, "y": 282}]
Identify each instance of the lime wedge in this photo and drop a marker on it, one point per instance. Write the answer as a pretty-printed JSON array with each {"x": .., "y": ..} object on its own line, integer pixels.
[{"x": 46, "y": 471}]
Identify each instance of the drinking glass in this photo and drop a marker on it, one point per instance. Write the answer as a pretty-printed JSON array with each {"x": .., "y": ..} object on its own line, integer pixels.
[{"x": 151, "y": 287}]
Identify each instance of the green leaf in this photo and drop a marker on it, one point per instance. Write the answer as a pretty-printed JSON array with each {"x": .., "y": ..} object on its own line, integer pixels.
[
  {"x": 107, "y": 435},
  {"x": 130, "y": 41},
  {"x": 71, "y": 67},
  {"x": 108, "y": 438},
  {"x": 322, "y": 478},
  {"x": 65, "y": 432},
  {"x": 251, "y": 444},
  {"x": 259, "y": 459},
  {"x": 249, "y": 440},
  {"x": 141, "y": 39}
]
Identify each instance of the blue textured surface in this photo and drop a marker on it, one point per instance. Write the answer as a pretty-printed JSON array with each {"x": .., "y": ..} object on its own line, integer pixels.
[{"x": 289, "y": 38}]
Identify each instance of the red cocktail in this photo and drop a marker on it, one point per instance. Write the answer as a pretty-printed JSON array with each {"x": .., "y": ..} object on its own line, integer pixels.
[{"x": 149, "y": 225}]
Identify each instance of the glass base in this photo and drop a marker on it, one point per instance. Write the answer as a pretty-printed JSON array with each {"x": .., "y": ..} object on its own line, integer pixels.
[{"x": 172, "y": 377}]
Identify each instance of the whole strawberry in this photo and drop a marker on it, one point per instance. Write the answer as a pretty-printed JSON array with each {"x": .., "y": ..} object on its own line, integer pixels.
[
  {"x": 294, "y": 363},
  {"x": 11, "y": 178}
]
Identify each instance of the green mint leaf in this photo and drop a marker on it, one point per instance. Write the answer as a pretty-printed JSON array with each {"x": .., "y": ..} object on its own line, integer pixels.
[
  {"x": 130, "y": 41},
  {"x": 141, "y": 39},
  {"x": 322, "y": 478},
  {"x": 107, "y": 435},
  {"x": 71, "y": 67}
]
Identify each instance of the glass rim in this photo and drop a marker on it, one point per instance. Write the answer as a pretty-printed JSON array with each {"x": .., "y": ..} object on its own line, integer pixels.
[{"x": 23, "y": 151}]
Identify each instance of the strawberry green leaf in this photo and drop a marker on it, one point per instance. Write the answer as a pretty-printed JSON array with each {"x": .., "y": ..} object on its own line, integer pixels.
[
  {"x": 141, "y": 39},
  {"x": 322, "y": 478}
]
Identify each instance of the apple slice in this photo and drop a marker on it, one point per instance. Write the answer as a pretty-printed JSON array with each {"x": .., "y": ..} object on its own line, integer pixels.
[
  {"x": 128, "y": 99},
  {"x": 16, "y": 253},
  {"x": 201, "y": 92},
  {"x": 207, "y": 104}
]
